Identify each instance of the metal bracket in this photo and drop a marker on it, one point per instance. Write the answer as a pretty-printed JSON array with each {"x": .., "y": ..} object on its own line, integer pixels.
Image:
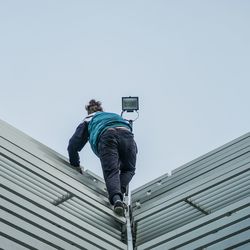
[
  {"x": 62, "y": 199},
  {"x": 196, "y": 206}
]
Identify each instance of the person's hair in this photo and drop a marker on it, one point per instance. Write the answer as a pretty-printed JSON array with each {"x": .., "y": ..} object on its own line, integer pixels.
[{"x": 93, "y": 106}]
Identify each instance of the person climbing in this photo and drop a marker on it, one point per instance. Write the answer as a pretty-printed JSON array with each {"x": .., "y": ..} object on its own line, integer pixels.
[{"x": 112, "y": 140}]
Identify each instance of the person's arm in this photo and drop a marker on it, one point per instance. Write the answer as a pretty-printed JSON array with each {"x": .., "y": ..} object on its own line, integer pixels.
[{"x": 76, "y": 143}]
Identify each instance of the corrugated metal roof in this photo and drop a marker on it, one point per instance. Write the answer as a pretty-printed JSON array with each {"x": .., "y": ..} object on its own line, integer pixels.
[
  {"x": 172, "y": 211},
  {"x": 45, "y": 204}
]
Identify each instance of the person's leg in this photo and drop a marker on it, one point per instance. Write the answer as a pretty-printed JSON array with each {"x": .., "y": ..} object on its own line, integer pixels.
[
  {"x": 109, "y": 157},
  {"x": 127, "y": 153},
  {"x": 126, "y": 176}
]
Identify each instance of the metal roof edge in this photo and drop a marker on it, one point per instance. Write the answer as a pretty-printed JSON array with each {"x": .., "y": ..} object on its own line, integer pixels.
[{"x": 228, "y": 144}]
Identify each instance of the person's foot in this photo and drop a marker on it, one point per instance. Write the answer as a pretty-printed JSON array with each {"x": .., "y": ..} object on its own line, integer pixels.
[
  {"x": 78, "y": 169},
  {"x": 125, "y": 207},
  {"x": 119, "y": 208}
]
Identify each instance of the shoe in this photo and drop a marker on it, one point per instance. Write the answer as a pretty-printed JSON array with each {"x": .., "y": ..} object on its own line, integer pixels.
[
  {"x": 119, "y": 208},
  {"x": 78, "y": 169},
  {"x": 125, "y": 206}
]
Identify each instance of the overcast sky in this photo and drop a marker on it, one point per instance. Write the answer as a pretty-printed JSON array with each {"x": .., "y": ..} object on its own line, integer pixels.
[{"x": 188, "y": 61}]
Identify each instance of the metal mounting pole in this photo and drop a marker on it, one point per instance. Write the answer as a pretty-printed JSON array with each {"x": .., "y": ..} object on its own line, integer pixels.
[
  {"x": 129, "y": 104},
  {"x": 128, "y": 212},
  {"x": 128, "y": 224}
]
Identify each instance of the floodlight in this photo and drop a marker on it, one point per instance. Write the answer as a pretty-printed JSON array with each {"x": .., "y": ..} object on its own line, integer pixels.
[{"x": 130, "y": 104}]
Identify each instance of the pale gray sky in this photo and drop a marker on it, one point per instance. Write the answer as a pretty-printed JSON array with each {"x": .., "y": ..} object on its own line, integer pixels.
[{"x": 188, "y": 61}]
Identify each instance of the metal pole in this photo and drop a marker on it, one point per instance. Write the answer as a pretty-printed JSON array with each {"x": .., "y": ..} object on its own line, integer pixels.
[
  {"x": 128, "y": 214},
  {"x": 128, "y": 224}
]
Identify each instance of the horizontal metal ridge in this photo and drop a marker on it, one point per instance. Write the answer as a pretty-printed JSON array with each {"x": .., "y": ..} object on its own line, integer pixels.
[
  {"x": 86, "y": 179},
  {"x": 202, "y": 226},
  {"x": 23, "y": 200},
  {"x": 192, "y": 189},
  {"x": 181, "y": 213},
  {"x": 191, "y": 173},
  {"x": 42, "y": 152},
  {"x": 242, "y": 139},
  {"x": 47, "y": 203}
]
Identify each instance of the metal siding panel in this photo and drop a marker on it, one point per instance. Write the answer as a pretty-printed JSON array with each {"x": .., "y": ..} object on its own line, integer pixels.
[
  {"x": 197, "y": 229},
  {"x": 232, "y": 242},
  {"x": 177, "y": 182},
  {"x": 58, "y": 217},
  {"x": 59, "y": 179},
  {"x": 204, "y": 203},
  {"x": 233, "y": 185},
  {"x": 40, "y": 230},
  {"x": 94, "y": 222},
  {"x": 224, "y": 236},
  {"x": 167, "y": 221},
  {"x": 84, "y": 209},
  {"x": 244, "y": 139},
  {"x": 162, "y": 229},
  {"x": 246, "y": 246},
  {"x": 52, "y": 199},
  {"x": 35, "y": 164},
  {"x": 31, "y": 177},
  {"x": 9, "y": 244},
  {"x": 24, "y": 237},
  {"x": 210, "y": 160},
  {"x": 195, "y": 188}
]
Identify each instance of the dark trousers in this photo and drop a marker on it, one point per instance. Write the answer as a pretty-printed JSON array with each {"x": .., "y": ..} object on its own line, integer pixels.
[{"x": 117, "y": 152}]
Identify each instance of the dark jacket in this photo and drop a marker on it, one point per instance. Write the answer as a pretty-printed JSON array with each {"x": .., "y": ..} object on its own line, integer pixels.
[{"x": 90, "y": 130}]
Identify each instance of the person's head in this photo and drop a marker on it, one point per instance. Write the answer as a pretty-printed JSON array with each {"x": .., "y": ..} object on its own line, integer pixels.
[{"x": 93, "y": 106}]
